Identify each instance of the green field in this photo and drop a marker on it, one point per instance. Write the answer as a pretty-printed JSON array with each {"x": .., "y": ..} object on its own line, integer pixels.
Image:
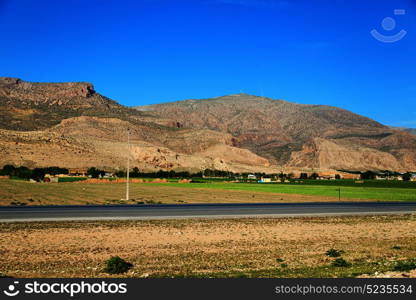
[
  {"x": 356, "y": 183},
  {"x": 399, "y": 191},
  {"x": 72, "y": 179}
]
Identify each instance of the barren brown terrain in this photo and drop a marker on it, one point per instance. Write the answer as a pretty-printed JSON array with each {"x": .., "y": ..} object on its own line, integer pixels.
[{"x": 213, "y": 248}]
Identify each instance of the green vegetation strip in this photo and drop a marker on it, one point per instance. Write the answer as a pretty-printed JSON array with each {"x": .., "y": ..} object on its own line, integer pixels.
[
  {"x": 324, "y": 271},
  {"x": 71, "y": 179},
  {"x": 347, "y": 192}
]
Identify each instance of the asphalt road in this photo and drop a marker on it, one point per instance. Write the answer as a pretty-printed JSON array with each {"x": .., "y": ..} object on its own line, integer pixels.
[{"x": 180, "y": 211}]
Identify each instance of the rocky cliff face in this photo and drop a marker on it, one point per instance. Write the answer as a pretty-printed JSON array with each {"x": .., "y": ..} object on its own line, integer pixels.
[
  {"x": 49, "y": 93},
  {"x": 71, "y": 125},
  {"x": 33, "y": 105}
]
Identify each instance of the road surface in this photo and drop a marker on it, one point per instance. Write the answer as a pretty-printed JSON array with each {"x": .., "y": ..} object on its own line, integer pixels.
[{"x": 180, "y": 211}]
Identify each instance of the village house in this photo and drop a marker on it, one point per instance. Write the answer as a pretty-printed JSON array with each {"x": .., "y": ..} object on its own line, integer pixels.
[
  {"x": 108, "y": 175},
  {"x": 77, "y": 172},
  {"x": 265, "y": 180}
]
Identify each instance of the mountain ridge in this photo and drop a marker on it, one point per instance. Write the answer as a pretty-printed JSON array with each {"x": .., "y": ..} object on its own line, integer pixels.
[
  {"x": 238, "y": 132},
  {"x": 272, "y": 128}
]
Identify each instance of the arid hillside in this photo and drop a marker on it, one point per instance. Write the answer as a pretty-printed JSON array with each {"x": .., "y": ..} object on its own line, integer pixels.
[
  {"x": 71, "y": 125},
  {"x": 295, "y": 135},
  {"x": 37, "y": 105}
]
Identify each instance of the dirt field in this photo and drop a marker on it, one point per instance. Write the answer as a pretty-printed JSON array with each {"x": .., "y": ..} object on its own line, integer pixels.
[
  {"x": 17, "y": 192},
  {"x": 209, "y": 248}
]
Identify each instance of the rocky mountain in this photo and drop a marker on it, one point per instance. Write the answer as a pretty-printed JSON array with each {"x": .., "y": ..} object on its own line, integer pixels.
[
  {"x": 71, "y": 125},
  {"x": 295, "y": 135},
  {"x": 35, "y": 105},
  {"x": 410, "y": 130}
]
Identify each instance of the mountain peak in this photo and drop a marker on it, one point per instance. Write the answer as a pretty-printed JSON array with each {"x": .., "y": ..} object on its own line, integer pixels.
[
  {"x": 238, "y": 97},
  {"x": 245, "y": 95}
]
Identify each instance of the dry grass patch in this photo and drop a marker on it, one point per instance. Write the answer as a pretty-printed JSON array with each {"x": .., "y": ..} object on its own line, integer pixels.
[{"x": 189, "y": 247}]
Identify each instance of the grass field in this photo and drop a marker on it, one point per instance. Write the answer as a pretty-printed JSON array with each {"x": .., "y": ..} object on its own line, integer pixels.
[
  {"x": 72, "y": 179},
  {"x": 347, "y": 192},
  {"x": 19, "y": 192},
  {"x": 210, "y": 248},
  {"x": 355, "y": 183}
]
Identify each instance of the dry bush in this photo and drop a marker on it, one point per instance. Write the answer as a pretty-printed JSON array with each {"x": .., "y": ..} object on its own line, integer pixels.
[{"x": 184, "y": 180}]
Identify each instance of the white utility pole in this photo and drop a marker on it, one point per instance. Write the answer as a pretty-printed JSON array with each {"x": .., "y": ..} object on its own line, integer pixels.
[{"x": 128, "y": 164}]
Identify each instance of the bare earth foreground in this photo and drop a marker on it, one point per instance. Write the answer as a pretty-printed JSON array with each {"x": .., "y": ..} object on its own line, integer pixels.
[{"x": 290, "y": 247}]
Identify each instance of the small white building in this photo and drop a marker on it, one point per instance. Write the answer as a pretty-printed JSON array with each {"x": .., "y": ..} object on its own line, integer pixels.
[{"x": 265, "y": 179}]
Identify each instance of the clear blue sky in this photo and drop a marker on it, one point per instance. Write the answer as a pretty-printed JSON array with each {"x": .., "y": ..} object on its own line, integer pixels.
[{"x": 152, "y": 51}]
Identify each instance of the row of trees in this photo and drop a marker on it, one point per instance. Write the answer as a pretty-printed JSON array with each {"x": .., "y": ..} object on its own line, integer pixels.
[
  {"x": 372, "y": 175},
  {"x": 136, "y": 173},
  {"x": 315, "y": 176},
  {"x": 37, "y": 174},
  {"x": 95, "y": 173}
]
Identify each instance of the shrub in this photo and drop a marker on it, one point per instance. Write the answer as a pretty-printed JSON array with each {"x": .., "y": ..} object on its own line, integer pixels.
[
  {"x": 396, "y": 247},
  {"x": 23, "y": 172},
  {"x": 340, "y": 262},
  {"x": 95, "y": 173},
  {"x": 117, "y": 265},
  {"x": 405, "y": 265},
  {"x": 314, "y": 176},
  {"x": 334, "y": 252},
  {"x": 121, "y": 174},
  {"x": 38, "y": 174},
  {"x": 407, "y": 176},
  {"x": 368, "y": 175},
  {"x": 135, "y": 172},
  {"x": 8, "y": 170}
]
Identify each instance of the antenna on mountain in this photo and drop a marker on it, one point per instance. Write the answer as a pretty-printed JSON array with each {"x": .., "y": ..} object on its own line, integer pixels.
[{"x": 128, "y": 164}]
